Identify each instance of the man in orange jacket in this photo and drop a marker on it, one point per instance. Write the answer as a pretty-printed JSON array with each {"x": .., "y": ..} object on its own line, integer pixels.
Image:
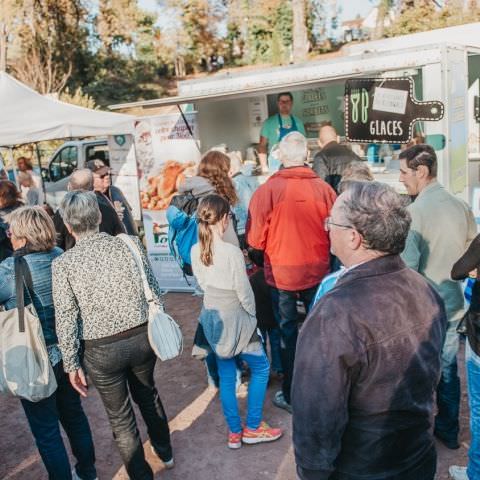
[{"x": 286, "y": 221}]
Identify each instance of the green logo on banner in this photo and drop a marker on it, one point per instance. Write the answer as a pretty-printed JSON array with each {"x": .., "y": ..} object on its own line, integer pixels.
[{"x": 120, "y": 139}]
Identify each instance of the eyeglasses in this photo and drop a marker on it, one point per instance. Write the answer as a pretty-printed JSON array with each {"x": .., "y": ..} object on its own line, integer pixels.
[{"x": 328, "y": 223}]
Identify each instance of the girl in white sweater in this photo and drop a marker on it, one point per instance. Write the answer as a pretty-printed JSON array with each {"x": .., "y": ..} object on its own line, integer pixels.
[{"x": 229, "y": 322}]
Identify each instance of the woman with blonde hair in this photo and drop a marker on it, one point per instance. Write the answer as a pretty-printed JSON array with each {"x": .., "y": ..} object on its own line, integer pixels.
[
  {"x": 33, "y": 238},
  {"x": 228, "y": 321}
]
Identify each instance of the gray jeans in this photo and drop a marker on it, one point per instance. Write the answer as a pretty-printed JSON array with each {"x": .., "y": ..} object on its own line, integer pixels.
[{"x": 124, "y": 364}]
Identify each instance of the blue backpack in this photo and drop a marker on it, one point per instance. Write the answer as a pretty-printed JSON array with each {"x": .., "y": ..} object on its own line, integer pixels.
[{"x": 183, "y": 229}]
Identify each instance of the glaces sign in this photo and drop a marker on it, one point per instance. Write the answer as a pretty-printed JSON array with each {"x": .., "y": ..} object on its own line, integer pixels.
[{"x": 384, "y": 110}]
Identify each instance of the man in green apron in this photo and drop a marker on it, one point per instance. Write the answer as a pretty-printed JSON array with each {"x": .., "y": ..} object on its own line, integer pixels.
[{"x": 275, "y": 128}]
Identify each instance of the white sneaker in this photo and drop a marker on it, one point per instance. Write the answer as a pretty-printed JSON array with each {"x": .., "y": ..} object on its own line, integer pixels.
[
  {"x": 458, "y": 473},
  {"x": 169, "y": 464}
]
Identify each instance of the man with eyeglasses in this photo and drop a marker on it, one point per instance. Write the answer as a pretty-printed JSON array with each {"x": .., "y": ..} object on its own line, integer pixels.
[
  {"x": 82, "y": 179},
  {"x": 102, "y": 184},
  {"x": 442, "y": 228},
  {"x": 368, "y": 354}
]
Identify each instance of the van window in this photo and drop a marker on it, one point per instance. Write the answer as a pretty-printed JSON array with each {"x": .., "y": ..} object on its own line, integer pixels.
[
  {"x": 64, "y": 163},
  {"x": 99, "y": 152}
]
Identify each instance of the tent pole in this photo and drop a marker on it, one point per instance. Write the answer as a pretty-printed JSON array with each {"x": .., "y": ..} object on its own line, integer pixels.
[
  {"x": 189, "y": 128},
  {"x": 39, "y": 161}
]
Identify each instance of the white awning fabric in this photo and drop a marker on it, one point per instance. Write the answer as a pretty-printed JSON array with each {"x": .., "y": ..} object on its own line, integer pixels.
[{"x": 27, "y": 117}]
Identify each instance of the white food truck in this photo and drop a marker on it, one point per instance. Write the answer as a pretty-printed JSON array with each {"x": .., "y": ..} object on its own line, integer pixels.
[{"x": 444, "y": 65}]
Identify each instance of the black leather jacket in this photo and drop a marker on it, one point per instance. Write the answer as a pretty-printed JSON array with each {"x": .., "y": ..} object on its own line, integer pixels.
[{"x": 366, "y": 368}]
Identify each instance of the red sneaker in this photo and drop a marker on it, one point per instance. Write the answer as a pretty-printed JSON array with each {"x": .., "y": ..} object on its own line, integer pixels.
[
  {"x": 264, "y": 433},
  {"x": 234, "y": 440}
]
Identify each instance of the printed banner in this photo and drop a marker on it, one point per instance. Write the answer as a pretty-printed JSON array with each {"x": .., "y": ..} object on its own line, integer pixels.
[
  {"x": 165, "y": 152},
  {"x": 124, "y": 170}
]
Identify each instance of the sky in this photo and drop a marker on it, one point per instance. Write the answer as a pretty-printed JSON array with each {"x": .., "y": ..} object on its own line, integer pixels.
[{"x": 350, "y": 8}]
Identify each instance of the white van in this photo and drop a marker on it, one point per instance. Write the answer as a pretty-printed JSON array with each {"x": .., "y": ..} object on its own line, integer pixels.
[{"x": 67, "y": 158}]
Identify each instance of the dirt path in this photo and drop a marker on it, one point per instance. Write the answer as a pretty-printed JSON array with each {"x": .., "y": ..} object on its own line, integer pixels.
[{"x": 198, "y": 427}]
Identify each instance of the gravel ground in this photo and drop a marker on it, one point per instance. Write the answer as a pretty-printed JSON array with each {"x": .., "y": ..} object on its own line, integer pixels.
[{"x": 197, "y": 424}]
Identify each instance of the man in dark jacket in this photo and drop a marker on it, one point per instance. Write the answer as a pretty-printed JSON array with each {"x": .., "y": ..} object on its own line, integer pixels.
[
  {"x": 102, "y": 185},
  {"x": 330, "y": 162},
  {"x": 368, "y": 355},
  {"x": 111, "y": 224}
]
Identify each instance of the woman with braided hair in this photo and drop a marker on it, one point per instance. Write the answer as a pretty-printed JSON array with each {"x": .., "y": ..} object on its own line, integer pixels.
[{"x": 229, "y": 322}]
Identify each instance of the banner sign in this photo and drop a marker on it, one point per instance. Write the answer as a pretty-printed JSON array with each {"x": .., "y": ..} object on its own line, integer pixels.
[
  {"x": 124, "y": 170},
  {"x": 166, "y": 153},
  {"x": 385, "y": 110}
]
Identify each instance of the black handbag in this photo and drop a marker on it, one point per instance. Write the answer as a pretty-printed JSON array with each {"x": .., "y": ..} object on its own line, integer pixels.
[{"x": 470, "y": 326}]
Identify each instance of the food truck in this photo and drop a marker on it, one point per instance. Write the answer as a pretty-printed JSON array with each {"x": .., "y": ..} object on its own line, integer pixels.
[
  {"x": 444, "y": 65},
  {"x": 424, "y": 85}
]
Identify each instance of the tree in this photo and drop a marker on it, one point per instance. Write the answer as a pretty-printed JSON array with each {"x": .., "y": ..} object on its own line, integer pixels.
[
  {"x": 383, "y": 10},
  {"x": 51, "y": 38},
  {"x": 199, "y": 36},
  {"x": 300, "y": 40},
  {"x": 423, "y": 15},
  {"x": 116, "y": 23},
  {"x": 10, "y": 15}
]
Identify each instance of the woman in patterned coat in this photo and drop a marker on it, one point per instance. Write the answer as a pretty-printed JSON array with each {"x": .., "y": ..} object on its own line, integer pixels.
[{"x": 100, "y": 301}]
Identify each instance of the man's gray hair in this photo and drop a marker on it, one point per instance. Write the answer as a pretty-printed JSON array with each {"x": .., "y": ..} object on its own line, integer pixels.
[
  {"x": 81, "y": 179},
  {"x": 292, "y": 150},
  {"x": 378, "y": 213},
  {"x": 79, "y": 209}
]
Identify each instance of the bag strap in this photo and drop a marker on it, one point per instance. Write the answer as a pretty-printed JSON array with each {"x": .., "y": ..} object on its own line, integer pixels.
[
  {"x": 138, "y": 260},
  {"x": 23, "y": 278}
]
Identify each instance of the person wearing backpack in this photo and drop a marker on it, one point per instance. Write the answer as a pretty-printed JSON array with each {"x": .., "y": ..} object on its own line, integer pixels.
[{"x": 212, "y": 177}]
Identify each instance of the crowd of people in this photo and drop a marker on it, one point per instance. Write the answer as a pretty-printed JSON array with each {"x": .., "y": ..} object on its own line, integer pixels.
[{"x": 374, "y": 272}]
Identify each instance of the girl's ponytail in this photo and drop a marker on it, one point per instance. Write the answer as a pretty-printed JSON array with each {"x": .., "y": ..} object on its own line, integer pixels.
[{"x": 210, "y": 211}]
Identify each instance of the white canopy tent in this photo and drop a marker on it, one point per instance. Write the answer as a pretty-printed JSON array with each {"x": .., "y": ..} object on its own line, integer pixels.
[{"x": 28, "y": 117}]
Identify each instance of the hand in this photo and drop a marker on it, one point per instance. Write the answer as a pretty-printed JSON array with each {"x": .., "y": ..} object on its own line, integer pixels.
[
  {"x": 79, "y": 382},
  {"x": 473, "y": 273}
]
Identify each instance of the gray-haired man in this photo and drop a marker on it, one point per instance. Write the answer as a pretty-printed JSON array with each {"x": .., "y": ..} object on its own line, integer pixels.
[
  {"x": 82, "y": 179},
  {"x": 368, "y": 355},
  {"x": 286, "y": 216},
  {"x": 442, "y": 228}
]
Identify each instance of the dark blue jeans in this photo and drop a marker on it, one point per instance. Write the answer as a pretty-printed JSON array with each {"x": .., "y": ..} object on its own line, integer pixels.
[
  {"x": 285, "y": 312},
  {"x": 125, "y": 365},
  {"x": 448, "y": 390},
  {"x": 44, "y": 416}
]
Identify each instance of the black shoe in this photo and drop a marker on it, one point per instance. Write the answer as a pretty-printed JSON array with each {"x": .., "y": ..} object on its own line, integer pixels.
[
  {"x": 280, "y": 402},
  {"x": 450, "y": 443}
]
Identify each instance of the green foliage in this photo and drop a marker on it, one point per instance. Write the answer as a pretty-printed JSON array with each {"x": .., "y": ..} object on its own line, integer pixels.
[
  {"x": 77, "y": 97},
  {"x": 118, "y": 53},
  {"x": 422, "y": 15}
]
